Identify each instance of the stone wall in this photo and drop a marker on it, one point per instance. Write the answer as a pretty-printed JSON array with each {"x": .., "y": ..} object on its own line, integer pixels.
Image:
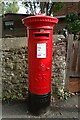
[
  {"x": 14, "y": 73},
  {"x": 18, "y": 42},
  {"x": 59, "y": 66},
  {"x": 0, "y": 68},
  {"x": 15, "y": 68}
]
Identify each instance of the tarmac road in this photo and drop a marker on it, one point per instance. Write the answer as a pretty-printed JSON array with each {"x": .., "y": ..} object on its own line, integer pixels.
[{"x": 67, "y": 110}]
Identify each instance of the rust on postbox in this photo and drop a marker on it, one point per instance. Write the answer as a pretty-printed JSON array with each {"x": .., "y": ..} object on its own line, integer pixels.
[{"x": 40, "y": 32}]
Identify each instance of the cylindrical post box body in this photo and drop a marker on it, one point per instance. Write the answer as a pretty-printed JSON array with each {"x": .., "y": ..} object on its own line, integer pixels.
[{"x": 40, "y": 32}]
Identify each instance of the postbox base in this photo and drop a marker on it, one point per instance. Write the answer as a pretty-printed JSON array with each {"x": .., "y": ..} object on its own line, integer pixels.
[{"x": 38, "y": 104}]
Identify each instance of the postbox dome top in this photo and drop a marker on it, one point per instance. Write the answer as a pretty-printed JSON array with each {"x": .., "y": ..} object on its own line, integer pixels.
[{"x": 39, "y": 21}]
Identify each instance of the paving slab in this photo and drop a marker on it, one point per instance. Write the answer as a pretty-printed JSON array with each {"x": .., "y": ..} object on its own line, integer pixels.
[{"x": 66, "y": 110}]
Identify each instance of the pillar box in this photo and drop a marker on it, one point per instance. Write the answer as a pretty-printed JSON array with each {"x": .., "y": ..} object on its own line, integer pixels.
[{"x": 40, "y": 32}]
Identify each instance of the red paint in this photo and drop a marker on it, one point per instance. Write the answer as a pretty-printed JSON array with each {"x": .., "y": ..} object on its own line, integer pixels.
[{"x": 40, "y": 31}]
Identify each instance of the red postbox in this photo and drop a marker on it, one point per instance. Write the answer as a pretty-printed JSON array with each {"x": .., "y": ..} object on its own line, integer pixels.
[{"x": 40, "y": 32}]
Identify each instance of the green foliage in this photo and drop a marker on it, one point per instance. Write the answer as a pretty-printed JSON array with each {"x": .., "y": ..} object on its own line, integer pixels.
[
  {"x": 57, "y": 6},
  {"x": 51, "y": 7},
  {"x": 73, "y": 23},
  {"x": 12, "y": 7},
  {"x": 71, "y": 17},
  {"x": 63, "y": 95},
  {"x": 60, "y": 93},
  {"x": 8, "y": 7}
]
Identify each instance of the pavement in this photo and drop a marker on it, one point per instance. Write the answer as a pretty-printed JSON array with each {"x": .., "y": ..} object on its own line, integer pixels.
[{"x": 59, "y": 110}]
